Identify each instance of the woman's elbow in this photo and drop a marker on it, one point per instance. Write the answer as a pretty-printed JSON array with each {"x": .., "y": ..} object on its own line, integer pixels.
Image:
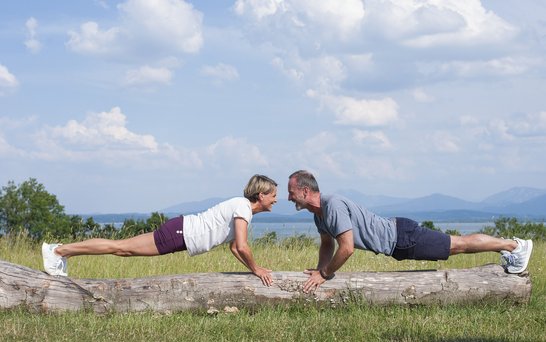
[{"x": 240, "y": 248}]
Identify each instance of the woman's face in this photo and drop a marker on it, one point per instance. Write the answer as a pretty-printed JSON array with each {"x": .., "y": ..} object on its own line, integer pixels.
[{"x": 267, "y": 200}]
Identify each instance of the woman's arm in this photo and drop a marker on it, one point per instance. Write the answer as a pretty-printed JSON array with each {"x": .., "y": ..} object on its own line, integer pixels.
[{"x": 241, "y": 250}]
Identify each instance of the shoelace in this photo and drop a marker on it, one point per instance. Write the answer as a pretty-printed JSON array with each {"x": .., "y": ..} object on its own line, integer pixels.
[
  {"x": 508, "y": 259},
  {"x": 60, "y": 265}
]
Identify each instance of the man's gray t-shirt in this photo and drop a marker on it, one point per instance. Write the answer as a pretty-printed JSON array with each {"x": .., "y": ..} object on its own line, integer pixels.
[{"x": 371, "y": 232}]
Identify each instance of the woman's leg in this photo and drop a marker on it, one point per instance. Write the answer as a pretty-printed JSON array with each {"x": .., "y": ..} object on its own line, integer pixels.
[
  {"x": 141, "y": 245},
  {"x": 476, "y": 243}
]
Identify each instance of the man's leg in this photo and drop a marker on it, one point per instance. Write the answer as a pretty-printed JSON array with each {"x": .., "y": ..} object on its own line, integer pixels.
[
  {"x": 516, "y": 253},
  {"x": 476, "y": 243}
]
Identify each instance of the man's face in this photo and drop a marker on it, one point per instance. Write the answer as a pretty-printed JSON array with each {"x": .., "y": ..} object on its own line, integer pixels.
[{"x": 296, "y": 194}]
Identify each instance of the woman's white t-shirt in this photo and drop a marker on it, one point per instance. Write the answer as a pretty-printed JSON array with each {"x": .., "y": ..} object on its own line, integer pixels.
[{"x": 215, "y": 226}]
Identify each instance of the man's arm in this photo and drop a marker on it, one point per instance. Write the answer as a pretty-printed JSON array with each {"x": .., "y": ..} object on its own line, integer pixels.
[
  {"x": 326, "y": 250},
  {"x": 345, "y": 250}
]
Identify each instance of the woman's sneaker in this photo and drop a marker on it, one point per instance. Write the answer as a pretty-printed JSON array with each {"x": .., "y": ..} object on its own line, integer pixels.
[
  {"x": 517, "y": 260},
  {"x": 53, "y": 264}
]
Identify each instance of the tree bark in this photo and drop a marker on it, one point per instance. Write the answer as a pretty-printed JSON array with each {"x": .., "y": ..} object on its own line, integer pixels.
[{"x": 39, "y": 292}]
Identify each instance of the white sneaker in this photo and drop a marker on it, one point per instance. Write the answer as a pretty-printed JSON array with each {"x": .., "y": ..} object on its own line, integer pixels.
[
  {"x": 517, "y": 260},
  {"x": 53, "y": 264}
]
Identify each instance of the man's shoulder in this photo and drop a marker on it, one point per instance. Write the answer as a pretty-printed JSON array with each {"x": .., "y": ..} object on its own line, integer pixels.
[{"x": 335, "y": 199}]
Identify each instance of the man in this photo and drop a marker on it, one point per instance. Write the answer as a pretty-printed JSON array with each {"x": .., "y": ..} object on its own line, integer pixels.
[{"x": 339, "y": 219}]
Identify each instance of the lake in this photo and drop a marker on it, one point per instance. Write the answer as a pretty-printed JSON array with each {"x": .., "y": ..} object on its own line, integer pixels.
[{"x": 287, "y": 229}]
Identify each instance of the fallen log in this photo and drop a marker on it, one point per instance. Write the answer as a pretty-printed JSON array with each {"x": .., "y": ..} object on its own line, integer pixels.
[{"x": 39, "y": 292}]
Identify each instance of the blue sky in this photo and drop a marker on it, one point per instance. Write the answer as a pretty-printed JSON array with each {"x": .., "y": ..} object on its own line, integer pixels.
[{"x": 134, "y": 106}]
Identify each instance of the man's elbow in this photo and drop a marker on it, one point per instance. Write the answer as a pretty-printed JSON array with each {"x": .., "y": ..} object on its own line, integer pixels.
[{"x": 349, "y": 251}]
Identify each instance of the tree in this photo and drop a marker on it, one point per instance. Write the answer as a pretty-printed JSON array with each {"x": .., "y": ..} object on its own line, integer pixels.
[{"x": 30, "y": 208}]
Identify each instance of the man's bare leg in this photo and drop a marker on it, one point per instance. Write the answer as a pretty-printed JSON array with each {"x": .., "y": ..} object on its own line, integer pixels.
[{"x": 476, "y": 243}]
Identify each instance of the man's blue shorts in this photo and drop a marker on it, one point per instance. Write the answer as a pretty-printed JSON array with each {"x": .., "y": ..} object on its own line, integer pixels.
[{"x": 420, "y": 243}]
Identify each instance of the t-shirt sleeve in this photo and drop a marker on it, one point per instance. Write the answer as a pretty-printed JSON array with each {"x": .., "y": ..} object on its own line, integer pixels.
[
  {"x": 338, "y": 217},
  {"x": 243, "y": 211}
]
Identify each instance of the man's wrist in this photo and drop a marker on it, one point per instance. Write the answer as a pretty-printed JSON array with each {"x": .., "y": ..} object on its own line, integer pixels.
[{"x": 326, "y": 277}]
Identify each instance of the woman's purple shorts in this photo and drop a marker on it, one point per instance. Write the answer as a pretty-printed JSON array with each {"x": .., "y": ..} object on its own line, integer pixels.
[
  {"x": 420, "y": 243},
  {"x": 169, "y": 238}
]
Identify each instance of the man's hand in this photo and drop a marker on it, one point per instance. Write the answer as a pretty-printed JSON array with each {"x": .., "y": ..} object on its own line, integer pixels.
[
  {"x": 314, "y": 281},
  {"x": 265, "y": 275}
]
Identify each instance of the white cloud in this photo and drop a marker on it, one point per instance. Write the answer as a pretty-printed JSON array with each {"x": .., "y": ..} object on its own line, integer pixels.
[
  {"x": 420, "y": 95},
  {"x": 102, "y": 3},
  {"x": 32, "y": 43},
  {"x": 359, "y": 62},
  {"x": 444, "y": 142},
  {"x": 325, "y": 72},
  {"x": 220, "y": 72},
  {"x": 91, "y": 40},
  {"x": 259, "y": 9},
  {"x": 99, "y": 131},
  {"x": 292, "y": 73},
  {"x": 7, "y": 150},
  {"x": 361, "y": 112},
  {"x": 372, "y": 138},
  {"x": 342, "y": 18},
  {"x": 320, "y": 142},
  {"x": 345, "y": 17},
  {"x": 235, "y": 154},
  {"x": 146, "y": 75},
  {"x": 431, "y": 23},
  {"x": 171, "y": 22},
  {"x": 505, "y": 66},
  {"x": 7, "y": 79},
  {"x": 160, "y": 26},
  {"x": 532, "y": 125}
]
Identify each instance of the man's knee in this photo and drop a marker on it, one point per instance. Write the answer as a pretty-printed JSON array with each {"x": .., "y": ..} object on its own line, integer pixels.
[{"x": 457, "y": 244}]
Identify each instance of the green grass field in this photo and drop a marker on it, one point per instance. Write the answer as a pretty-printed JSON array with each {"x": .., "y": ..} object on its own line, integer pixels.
[{"x": 492, "y": 322}]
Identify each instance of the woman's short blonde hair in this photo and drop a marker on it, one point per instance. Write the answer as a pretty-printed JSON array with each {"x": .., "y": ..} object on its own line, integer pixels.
[{"x": 259, "y": 184}]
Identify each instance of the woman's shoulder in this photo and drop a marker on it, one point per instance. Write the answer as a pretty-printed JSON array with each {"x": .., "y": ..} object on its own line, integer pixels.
[{"x": 236, "y": 202}]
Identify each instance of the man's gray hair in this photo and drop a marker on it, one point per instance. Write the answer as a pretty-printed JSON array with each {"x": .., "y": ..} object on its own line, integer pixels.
[{"x": 305, "y": 179}]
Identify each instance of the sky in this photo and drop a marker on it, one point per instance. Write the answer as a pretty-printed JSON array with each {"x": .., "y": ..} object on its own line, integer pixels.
[{"x": 138, "y": 105}]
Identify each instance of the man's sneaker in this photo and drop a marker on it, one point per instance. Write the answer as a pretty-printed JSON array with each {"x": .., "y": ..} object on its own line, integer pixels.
[
  {"x": 506, "y": 259},
  {"x": 53, "y": 264},
  {"x": 517, "y": 260}
]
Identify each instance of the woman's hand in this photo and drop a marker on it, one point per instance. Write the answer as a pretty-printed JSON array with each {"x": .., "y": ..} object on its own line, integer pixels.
[{"x": 265, "y": 275}]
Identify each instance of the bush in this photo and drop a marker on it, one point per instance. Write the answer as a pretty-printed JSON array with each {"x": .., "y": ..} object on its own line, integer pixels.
[
  {"x": 453, "y": 232},
  {"x": 510, "y": 227},
  {"x": 267, "y": 240},
  {"x": 298, "y": 241}
]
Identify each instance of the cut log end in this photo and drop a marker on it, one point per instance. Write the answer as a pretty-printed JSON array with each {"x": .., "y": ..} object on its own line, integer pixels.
[{"x": 22, "y": 287}]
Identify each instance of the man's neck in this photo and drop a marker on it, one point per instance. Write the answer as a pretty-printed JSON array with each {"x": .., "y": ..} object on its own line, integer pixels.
[{"x": 314, "y": 204}]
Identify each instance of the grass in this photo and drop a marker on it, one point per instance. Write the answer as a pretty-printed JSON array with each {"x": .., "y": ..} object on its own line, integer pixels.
[{"x": 492, "y": 322}]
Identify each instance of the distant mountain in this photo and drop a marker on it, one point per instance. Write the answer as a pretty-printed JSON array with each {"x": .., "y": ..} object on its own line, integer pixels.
[
  {"x": 534, "y": 207},
  {"x": 434, "y": 202},
  {"x": 522, "y": 202},
  {"x": 193, "y": 207},
  {"x": 513, "y": 196},
  {"x": 371, "y": 200}
]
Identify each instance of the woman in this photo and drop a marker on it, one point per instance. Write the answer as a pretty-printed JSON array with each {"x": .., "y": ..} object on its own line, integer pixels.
[{"x": 225, "y": 222}]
